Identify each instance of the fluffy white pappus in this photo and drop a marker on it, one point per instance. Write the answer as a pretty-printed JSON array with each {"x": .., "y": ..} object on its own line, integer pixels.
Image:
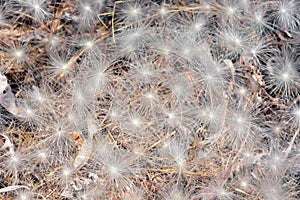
[
  {"x": 242, "y": 125},
  {"x": 204, "y": 155},
  {"x": 101, "y": 147},
  {"x": 82, "y": 99},
  {"x": 259, "y": 51},
  {"x": 179, "y": 115},
  {"x": 234, "y": 40},
  {"x": 60, "y": 65},
  {"x": 115, "y": 115},
  {"x": 276, "y": 130},
  {"x": 163, "y": 12},
  {"x": 25, "y": 195},
  {"x": 130, "y": 12},
  {"x": 92, "y": 192},
  {"x": 173, "y": 154},
  {"x": 134, "y": 193},
  {"x": 144, "y": 71},
  {"x": 181, "y": 86},
  {"x": 212, "y": 115},
  {"x": 73, "y": 119},
  {"x": 43, "y": 99},
  {"x": 118, "y": 107},
  {"x": 246, "y": 4},
  {"x": 178, "y": 153},
  {"x": 207, "y": 6},
  {"x": 65, "y": 175},
  {"x": 285, "y": 14},
  {"x": 18, "y": 53},
  {"x": 209, "y": 76},
  {"x": 216, "y": 191},
  {"x": 31, "y": 113},
  {"x": 136, "y": 123},
  {"x": 275, "y": 162},
  {"x": 150, "y": 102},
  {"x": 171, "y": 118},
  {"x": 230, "y": 12},
  {"x": 164, "y": 45},
  {"x": 212, "y": 76},
  {"x": 40, "y": 154},
  {"x": 87, "y": 12},
  {"x": 54, "y": 42},
  {"x": 59, "y": 139},
  {"x": 99, "y": 77},
  {"x": 244, "y": 183},
  {"x": 193, "y": 24},
  {"x": 176, "y": 193},
  {"x": 88, "y": 45},
  {"x": 205, "y": 58},
  {"x": 38, "y": 96},
  {"x": 282, "y": 75},
  {"x": 13, "y": 163},
  {"x": 186, "y": 47},
  {"x": 294, "y": 115},
  {"x": 136, "y": 120},
  {"x": 36, "y": 8},
  {"x": 274, "y": 187},
  {"x": 132, "y": 40},
  {"x": 257, "y": 18},
  {"x": 118, "y": 168}
]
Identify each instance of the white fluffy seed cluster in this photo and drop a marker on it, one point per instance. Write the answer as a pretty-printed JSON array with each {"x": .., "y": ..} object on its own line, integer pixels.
[{"x": 150, "y": 99}]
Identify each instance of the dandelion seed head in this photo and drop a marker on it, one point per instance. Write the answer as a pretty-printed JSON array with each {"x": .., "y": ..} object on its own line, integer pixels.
[
  {"x": 259, "y": 18},
  {"x": 113, "y": 170},
  {"x": 282, "y": 10},
  {"x": 211, "y": 116},
  {"x": 66, "y": 172},
  {"x": 253, "y": 51},
  {"x": 242, "y": 91},
  {"x": 89, "y": 44},
  {"x": 171, "y": 115},
  {"x": 237, "y": 41},
  {"x": 231, "y": 10},
  {"x": 36, "y": 6},
  {"x": 244, "y": 184},
  {"x": 65, "y": 66},
  {"x": 42, "y": 155},
  {"x": 209, "y": 77},
  {"x": 285, "y": 76},
  {"x": 197, "y": 27},
  {"x": 297, "y": 113},
  {"x": 180, "y": 163},
  {"x": 15, "y": 159},
  {"x": 24, "y": 195},
  {"x": 87, "y": 8},
  {"x": 277, "y": 130},
  {"x": 59, "y": 133},
  {"x": 186, "y": 51},
  {"x": 240, "y": 120},
  {"x": 18, "y": 53},
  {"x": 134, "y": 12},
  {"x": 136, "y": 122},
  {"x": 150, "y": 96},
  {"x": 29, "y": 111},
  {"x": 162, "y": 11}
]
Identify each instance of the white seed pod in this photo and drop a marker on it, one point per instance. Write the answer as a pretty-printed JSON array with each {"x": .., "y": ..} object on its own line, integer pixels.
[
  {"x": 7, "y": 98},
  {"x": 84, "y": 154},
  {"x": 12, "y": 188}
]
